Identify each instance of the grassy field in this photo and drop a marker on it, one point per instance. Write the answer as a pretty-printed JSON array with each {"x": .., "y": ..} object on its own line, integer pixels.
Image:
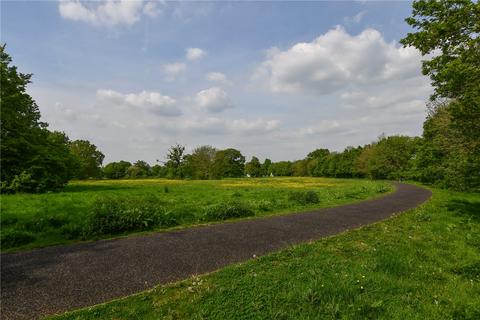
[
  {"x": 423, "y": 264},
  {"x": 89, "y": 210}
]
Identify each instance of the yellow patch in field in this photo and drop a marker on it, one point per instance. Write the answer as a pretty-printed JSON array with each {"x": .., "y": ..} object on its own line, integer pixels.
[{"x": 277, "y": 183}]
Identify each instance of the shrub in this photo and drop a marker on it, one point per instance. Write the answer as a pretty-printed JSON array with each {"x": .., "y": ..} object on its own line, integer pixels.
[
  {"x": 15, "y": 238},
  {"x": 303, "y": 197},
  {"x": 264, "y": 205},
  {"x": 227, "y": 210},
  {"x": 113, "y": 215}
]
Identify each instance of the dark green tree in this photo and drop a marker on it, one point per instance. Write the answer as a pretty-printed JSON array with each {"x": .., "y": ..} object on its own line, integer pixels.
[
  {"x": 282, "y": 168},
  {"x": 89, "y": 157},
  {"x": 446, "y": 33},
  {"x": 266, "y": 167},
  {"x": 200, "y": 163},
  {"x": 253, "y": 168},
  {"x": 116, "y": 170},
  {"x": 33, "y": 159},
  {"x": 228, "y": 163}
]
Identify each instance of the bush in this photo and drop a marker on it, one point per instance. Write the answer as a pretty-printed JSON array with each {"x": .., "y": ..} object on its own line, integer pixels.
[
  {"x": 15, "y": 238},
  {"x": 303, "y": 197},
  {"x": 113, "y": 215},
  {"x": 227, "y": 210}
]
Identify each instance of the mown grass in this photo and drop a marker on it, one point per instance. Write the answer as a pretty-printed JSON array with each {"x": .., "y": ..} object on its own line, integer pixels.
[
  {"x": 423, "y": 264},
  {"x": 89, "y": 210}
]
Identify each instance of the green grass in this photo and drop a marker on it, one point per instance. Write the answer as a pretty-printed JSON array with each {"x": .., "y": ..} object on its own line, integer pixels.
[
  {"x": 423, "y": 264},
  {"x": 29, "y": 221}
]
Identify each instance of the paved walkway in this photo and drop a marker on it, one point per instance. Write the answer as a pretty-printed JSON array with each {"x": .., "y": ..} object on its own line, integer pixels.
[{"x": 60, "y": 278}]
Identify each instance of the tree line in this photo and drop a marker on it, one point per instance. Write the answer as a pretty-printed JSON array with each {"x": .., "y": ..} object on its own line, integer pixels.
[{"x": 35, "y": 159}]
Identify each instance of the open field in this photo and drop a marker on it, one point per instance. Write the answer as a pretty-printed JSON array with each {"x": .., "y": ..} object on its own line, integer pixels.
[
  {"x": 424, "y": 263},
  {"x": 89, "y": 210}
]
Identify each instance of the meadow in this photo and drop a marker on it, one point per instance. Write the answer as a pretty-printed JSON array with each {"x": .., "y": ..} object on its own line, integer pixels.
[
  {"x": 95, "y": 209},
  {"x": 422, "y": 264}
]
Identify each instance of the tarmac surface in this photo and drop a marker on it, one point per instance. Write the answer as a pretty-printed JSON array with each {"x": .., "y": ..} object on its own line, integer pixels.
[{"x": 56, "y": 279}]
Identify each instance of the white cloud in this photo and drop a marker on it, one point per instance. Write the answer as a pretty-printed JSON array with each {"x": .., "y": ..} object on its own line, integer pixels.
[
  {"x": 336, "y": 60},
  {"x": 108, "y": 13},
  {"x": 193, "y": 54},
  {"x": 254, "y": 126},
  {"x": 145, "y": 100},
  {"x": 174, "y": 69},
  {"x": 218, "y": 77},
  {"x": 151, "y": 9},
  {"x": 213, "y": 100}
]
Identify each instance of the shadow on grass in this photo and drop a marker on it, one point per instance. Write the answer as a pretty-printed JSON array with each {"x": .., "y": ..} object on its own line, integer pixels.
[{"x": 468, "y": 209}]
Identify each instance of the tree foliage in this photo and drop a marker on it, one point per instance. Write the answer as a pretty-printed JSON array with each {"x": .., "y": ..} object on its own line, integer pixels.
[
  {"x": 116, "y": 170},
  {"x": 33, "y": 159},
  {"x": 447, "y": 34},
  {"x": 89, "y": 157},
  {"x": 253, "y": 168}
]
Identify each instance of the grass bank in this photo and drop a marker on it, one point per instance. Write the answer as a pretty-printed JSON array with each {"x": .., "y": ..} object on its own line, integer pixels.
[
  {"x": 89, "y": 210},
  {"x": 423, "y": 264}
]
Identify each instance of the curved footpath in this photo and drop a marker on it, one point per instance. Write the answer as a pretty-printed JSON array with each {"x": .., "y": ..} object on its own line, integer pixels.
[{"x": 56, "y": 279}]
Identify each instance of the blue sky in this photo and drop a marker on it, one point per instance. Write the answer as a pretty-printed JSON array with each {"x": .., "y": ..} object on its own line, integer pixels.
[{"x": 273, "y": 79}]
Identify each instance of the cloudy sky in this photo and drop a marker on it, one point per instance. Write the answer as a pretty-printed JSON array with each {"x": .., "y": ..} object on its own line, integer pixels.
[{"x": 273, "y": 79}]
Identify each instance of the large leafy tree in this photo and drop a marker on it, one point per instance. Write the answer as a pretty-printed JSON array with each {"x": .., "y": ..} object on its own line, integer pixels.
[
  {"x": 447, "y": 34},
  {"x": 89, "y": 157},
  {"x": 33, "y": 159},
  {"x": 200, "y": 162},
  {"x": 229, "y": 163},
  {"x": 20, "y": 124}
]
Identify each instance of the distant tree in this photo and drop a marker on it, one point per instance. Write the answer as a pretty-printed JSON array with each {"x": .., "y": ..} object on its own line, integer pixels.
[
  {"x": 200, "y": 163},
  {"x": 33, "y": 159},
  {"x": 144, "y": 167},
  {"x": 282, "y": 168},
  {"x": 176, "y": 158},
  {"x": 159, "y": 171},
  {"x": 266, "y": 167},
  {"x": 228, "y": 163},
  {"x": 316, "y": 162},
  {"x": 392, "y": 157},
  {"x": 139, "y": 169},
  {"x": 299, "y": 168},
  {"x": 253, "y": 168},
  {"x": 116, "y": 170},
  {"x": 89, "y": 157}
]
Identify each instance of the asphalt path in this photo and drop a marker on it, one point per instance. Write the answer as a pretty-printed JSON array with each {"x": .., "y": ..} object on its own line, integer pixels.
[{"x": 56, "y": 279}]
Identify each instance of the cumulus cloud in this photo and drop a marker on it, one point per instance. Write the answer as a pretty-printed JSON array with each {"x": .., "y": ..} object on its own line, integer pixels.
[
  {"x": 193, "y": 54},
  {"x": 174, "y": 69},
  {"x": 336, "y": 60},
  {"x": 145, "y": 100},
  {"x": 218, "y": 77},
  {"x": 254, "y": 126},
  {"x": 108, "y": 13},
  {"x": 213, "y": 100}
]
